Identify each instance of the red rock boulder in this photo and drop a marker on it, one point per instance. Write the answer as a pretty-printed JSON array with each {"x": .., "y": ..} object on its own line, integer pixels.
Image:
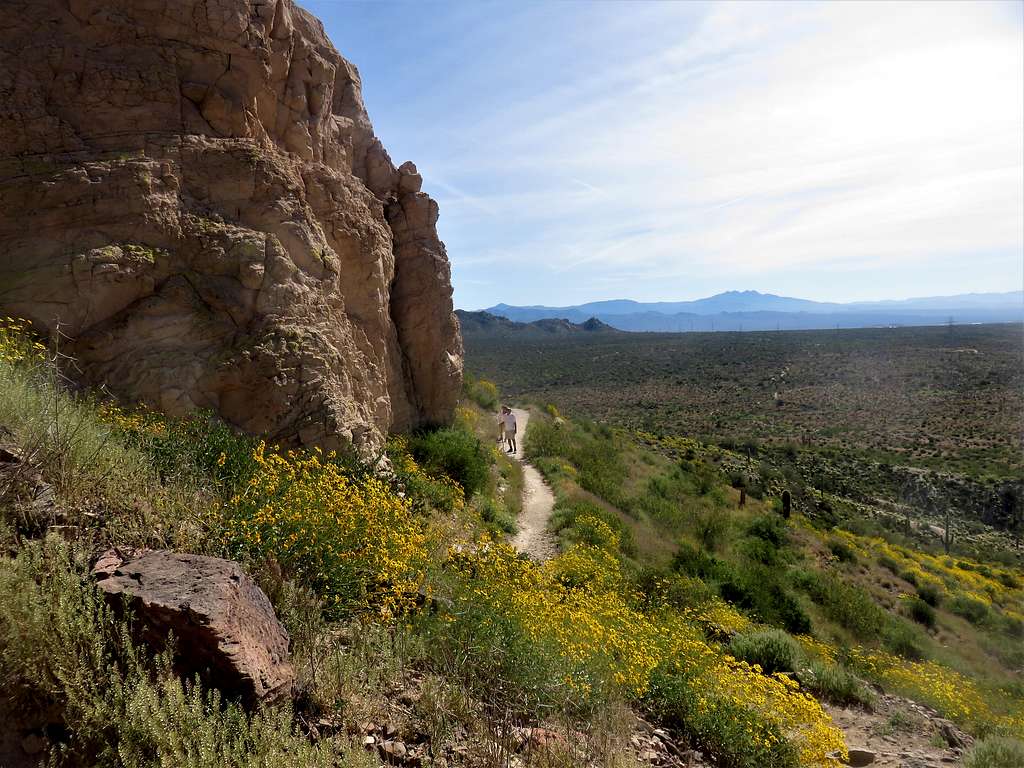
[{"x": 224, "y": 626}]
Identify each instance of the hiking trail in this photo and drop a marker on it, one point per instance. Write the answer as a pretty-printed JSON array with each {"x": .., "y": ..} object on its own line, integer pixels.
[{"x": 533, "y": 538}]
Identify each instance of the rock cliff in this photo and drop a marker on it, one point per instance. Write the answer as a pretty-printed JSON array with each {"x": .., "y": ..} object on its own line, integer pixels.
[{"x": 192, "y": 193}]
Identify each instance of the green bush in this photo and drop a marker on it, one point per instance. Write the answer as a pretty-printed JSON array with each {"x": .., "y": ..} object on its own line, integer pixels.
[
  {"x": 921, "y": 612},
  {"x": 995, "y": 752},
  {"x": 492, "y": 513},
  {"x": 770, "y": 529},
  {"x": 202, "y": 446},
  {"x": 842, "y": 551},
  {"x": 931, "y": 593},
  {"x": 887, "y": 562},
  {"x": 455, "y": 453},
  {"x": 591, "y": 449},
  {"x": 773, "y": 649},
  {"x": 834, "y": 683},
  {"x": 759, "y": 590},
  {"x": 903, "y": 639},
  {"x": 975, "y": 611},
  {"x": 845, "y": 604},
  {"x": 660, "y": 589},
  {"x": 481, "y": 391}
]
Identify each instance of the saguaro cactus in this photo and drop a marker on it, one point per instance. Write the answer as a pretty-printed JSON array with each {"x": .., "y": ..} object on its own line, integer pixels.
[{"x": 787, "y": 504}]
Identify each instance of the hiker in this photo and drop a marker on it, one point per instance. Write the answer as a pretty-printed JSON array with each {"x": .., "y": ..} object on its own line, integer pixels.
[
  {"x": 501, "y": 424},
  {"x": 510, "y": 429}
]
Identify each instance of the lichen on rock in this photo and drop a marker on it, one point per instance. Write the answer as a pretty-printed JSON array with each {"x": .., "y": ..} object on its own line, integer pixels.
[{"x": 193, "y": 194}]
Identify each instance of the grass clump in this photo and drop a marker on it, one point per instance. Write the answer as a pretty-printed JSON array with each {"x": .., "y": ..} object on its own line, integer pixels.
[{"x": 995, "y": 752}]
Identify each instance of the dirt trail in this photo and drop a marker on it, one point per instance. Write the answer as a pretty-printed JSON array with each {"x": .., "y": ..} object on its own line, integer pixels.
[{"x": 533, "y": 538}]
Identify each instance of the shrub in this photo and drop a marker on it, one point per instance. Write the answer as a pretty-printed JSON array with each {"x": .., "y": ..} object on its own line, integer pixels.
[
  {"x": 995, "y": 752},
  {"x": 842, "y": 551},
  {"x": 903, "y": 639},
  {"x": 569, "y": 513},
  {"x": 482, "y": 392},
  {"x": 202, "y": 446},
  {"x": 975, "y": 611},
  {"x": 492, "y": 513},
  {"x": 455, "y": 453},
  {"x": 758, "y": 589},
  {"x": 719, "y": 725},
  {"x": 930, "y": 592},
  {"x": 772, "y": 649},
  {"x": 845, "y": 604},
  {"x": 770, "y": 529},
  {"x": 921, "y": 612},
  {"x": 61, "y": 648},
  {"x": 834, "y": 683},
  {"x": 355, "y": 543},
  {"x": 887, "y": 562}
]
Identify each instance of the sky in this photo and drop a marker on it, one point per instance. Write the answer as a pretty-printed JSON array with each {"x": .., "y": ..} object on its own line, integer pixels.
[{"x": 583, "y": 151}]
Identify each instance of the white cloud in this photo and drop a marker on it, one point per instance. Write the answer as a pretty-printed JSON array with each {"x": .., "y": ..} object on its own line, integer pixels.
[{"x": 767, "y": 137}]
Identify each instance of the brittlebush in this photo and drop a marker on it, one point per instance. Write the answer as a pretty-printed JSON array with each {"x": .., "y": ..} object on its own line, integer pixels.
[
  {"x": 574, "y": 607},
  {"x": 356, "y": 543}
]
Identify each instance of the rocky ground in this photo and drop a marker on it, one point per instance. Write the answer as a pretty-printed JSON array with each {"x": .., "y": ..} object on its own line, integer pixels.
[{"x": 899, "y": 733}]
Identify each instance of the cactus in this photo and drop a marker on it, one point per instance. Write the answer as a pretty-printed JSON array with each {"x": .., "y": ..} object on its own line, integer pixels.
[{"x": 787, "y": 504}]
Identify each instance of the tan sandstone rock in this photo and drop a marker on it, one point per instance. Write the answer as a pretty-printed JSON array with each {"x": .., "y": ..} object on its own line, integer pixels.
[{"x": 192, "y": 192}]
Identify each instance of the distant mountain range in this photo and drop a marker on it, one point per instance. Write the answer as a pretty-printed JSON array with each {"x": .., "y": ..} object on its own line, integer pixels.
[
  {"x": 486, "y": 324},
  {"x": 754, "y": 311}
]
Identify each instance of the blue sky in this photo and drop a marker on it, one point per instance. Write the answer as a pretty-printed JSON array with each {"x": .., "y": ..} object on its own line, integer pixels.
[{"x": 667, "y": 151}]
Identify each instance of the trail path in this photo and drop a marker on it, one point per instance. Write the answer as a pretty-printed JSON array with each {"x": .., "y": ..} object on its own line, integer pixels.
[{"x": 533, "y": 538}]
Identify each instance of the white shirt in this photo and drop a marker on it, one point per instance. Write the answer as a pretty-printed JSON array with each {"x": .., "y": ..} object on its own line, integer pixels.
[{"x": 510, "y": 421}]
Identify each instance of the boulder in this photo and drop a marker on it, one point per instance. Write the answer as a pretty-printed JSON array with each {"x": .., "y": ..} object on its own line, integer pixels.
[
  {"x": 859, "y": 757},
  {"x": 193, "y": 194},
  {"x": 224, "y": 626}
]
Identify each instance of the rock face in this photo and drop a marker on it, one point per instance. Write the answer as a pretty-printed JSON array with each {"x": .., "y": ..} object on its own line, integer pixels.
[
  {"x": 193, "y": 193},
  {"x": 225, "y": 627}
]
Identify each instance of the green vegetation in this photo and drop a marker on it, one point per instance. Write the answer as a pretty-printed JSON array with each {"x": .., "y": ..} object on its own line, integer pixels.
[
  {"x": 455, "y": 453},
  {"x": 995, "y": 752},
  {"x": 667, "y": 592},
  {"x": 772, "y": 649}
]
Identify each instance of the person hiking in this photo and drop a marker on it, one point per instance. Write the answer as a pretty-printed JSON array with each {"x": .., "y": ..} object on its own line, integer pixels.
[
  {"x": 510, "y": 429},
  {"x": 501, "y": 424}
]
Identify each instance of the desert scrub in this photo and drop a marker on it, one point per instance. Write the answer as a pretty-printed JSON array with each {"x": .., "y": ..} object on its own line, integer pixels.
[
  {"x": 65, "y": 437},
  {"x": 355, "y": 542},
  {"x": 481, "y": 391},
  {"x": 61, "y": 646},
  {"x": 453, "y": 452},
  {"x": 954, "y": 695},
  {"x": 771, "y": 649},
  {"x": 585, "y": 641},
  {"x": 425, "y": 492},
  {"x": 996, "y": 752}
]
